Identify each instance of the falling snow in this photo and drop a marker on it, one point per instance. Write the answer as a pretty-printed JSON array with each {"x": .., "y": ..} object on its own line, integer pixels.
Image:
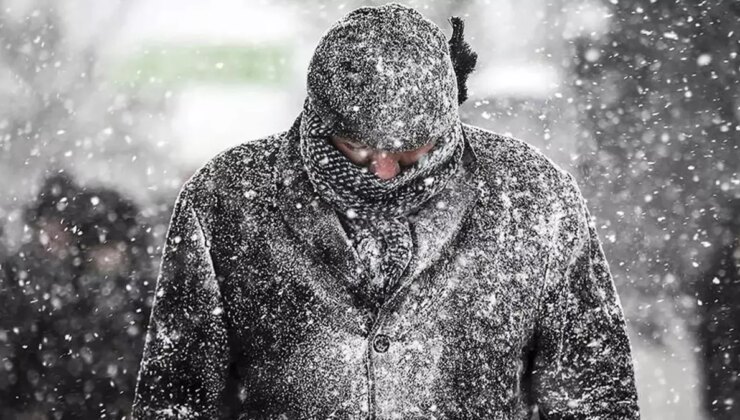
[{"x": 240, "y": 292}]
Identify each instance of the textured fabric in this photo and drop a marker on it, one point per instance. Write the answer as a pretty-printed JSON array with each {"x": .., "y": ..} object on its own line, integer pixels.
[
  {"x": 376, "y": 211},
  {"x": 385, "y": 249},
  {"x": 383, "y": 76},
  {"x": 357, "y": 193},
  {"x": 507, "y": 304}
]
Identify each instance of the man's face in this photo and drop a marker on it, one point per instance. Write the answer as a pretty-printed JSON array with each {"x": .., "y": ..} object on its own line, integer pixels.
[{"x": 385, "y": 165}]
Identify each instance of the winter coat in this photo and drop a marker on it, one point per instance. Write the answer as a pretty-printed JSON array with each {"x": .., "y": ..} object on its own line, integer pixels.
[{"x": 507, "y": 304}]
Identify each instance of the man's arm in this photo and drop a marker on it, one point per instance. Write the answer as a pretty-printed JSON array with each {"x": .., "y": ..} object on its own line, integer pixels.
[
  {"x": 583, "y": 366},
  {"x": 185, "y": 358}
]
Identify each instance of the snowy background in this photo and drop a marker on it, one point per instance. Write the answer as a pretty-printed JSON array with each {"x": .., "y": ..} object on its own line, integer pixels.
[{"x": 107, "y": 107}]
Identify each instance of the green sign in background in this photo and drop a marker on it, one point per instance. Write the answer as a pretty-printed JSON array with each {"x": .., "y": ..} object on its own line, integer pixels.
[{"x": 173, "y": 64}]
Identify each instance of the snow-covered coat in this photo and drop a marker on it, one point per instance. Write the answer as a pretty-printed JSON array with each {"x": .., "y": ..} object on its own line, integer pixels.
[{"x": 507, "y": 304}]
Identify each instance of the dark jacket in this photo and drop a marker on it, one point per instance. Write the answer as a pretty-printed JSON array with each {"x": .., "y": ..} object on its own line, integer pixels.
[{"x": 508, "y": 302}]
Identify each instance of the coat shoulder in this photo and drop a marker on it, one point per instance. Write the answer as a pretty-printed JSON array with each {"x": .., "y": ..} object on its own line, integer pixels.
[
  {"x": 242, "y": 175},
  {"x": 515, "y": 168}
]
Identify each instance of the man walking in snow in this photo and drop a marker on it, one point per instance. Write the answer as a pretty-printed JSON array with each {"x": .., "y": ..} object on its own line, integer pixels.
[{"x": 382, "y": 260}]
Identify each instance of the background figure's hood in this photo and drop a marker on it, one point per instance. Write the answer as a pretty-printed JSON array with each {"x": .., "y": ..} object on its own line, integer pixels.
[{"x": 383, "y": 76}]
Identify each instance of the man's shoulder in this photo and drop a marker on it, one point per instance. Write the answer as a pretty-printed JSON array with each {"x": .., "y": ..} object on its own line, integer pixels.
[
  {"x": 505, "y": 154},
  {"x": 515, "y": 168},
  {"x": 242, "y": 172}
]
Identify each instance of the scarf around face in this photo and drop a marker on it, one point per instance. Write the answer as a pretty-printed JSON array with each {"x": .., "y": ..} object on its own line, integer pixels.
[{"x": 374, "y": 211}]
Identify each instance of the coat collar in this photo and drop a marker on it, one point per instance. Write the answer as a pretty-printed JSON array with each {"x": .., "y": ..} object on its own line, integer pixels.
[{"x": 315, "y": 224}]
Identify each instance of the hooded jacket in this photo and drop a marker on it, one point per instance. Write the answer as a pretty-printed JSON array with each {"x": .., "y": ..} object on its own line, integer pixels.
[{"x": 507, "y": 305}]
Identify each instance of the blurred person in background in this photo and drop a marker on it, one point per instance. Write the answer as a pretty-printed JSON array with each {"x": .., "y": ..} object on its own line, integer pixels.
[
  {"x": 381, "y": 259},
  {"x": 75, "y": 294}
]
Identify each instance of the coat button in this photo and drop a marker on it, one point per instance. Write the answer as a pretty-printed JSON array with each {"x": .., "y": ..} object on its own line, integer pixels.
[{"x": 381, "y": 343}]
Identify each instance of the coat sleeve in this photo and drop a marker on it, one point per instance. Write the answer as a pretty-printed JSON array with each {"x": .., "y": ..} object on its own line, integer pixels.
[
  {"x": 582, "y": 364},
  {"x": 182, "y": 372}
]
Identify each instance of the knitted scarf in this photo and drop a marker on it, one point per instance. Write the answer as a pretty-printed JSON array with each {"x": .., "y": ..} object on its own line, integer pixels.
[{"x": 374, "y": 211}]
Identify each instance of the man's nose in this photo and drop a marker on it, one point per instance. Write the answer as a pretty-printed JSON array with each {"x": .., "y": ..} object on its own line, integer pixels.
[{"x": 384, "y": 165}]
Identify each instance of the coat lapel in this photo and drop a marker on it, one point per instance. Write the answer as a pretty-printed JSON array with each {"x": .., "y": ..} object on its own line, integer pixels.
[
  {"x": 312, "y": 221},
  {"x": 438, "y": 223}
]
